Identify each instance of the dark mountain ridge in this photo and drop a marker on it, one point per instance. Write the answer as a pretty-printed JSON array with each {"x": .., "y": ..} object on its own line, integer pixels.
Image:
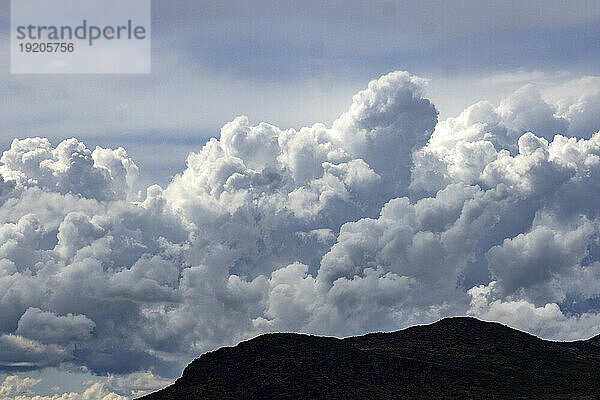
[{"x": 454, "y": 358}]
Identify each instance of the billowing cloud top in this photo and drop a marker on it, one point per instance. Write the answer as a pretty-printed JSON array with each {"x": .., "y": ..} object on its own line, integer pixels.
[{"x": 384, "y": 219}]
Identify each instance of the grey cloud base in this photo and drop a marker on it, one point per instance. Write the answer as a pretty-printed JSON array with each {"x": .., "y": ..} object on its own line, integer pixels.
[{"x": 383, "y": 220}]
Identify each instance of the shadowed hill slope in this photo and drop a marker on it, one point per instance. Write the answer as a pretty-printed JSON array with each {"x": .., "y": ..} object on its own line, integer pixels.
[{"x": 460, "y": 358}]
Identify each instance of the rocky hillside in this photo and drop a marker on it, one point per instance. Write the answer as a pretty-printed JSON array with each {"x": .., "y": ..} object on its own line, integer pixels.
[{"x": 455, "y": 358}]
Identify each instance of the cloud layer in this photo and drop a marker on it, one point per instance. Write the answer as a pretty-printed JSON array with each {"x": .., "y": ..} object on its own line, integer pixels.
[
  {"x": 112, "y": 388},
  {"x": 384, "y": 219}
]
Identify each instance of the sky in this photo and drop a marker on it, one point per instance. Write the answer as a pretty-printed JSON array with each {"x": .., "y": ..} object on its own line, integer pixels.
[{"x": 332, "y": 168}]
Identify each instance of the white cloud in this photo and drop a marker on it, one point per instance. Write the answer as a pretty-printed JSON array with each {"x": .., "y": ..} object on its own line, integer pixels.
[
  {"x": 546, "y": 321},
  {"x": 381, "y": 220},
  {"x": 13, "y": 384},
  {"x": 539, "y": 257},
  {"x": 112, "y": 387},
  {"x": 69, "y": 168},
  {"x": 15, "y": 388}
]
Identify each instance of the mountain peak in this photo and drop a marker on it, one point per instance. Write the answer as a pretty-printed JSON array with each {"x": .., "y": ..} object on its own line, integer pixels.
[
  {"x": 458, "y": 357},
  {"x": 594, "y": 341}
]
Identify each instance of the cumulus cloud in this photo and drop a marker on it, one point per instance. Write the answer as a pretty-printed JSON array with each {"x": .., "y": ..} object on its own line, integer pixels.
[
  {"x": 15, "y": 388},
  {"x": 13, "y": 384},
  {"x": 546, "y": 320},
  {"x": 18, "y": 351},
  {"x": 576, "y": 101},
  {"x": 384, "y": 219},
  {"x": 69, "y": 168},
  {"x": 113, "y": 387},
  {"x": 37, "y": 324}
]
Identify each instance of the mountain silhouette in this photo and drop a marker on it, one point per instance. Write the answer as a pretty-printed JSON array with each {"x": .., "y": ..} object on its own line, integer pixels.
[{"x": 454, "y": 358}]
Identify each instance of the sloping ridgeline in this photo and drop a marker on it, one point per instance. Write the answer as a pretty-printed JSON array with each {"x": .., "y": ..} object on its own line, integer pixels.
[{"x": 455, "y": 358}]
